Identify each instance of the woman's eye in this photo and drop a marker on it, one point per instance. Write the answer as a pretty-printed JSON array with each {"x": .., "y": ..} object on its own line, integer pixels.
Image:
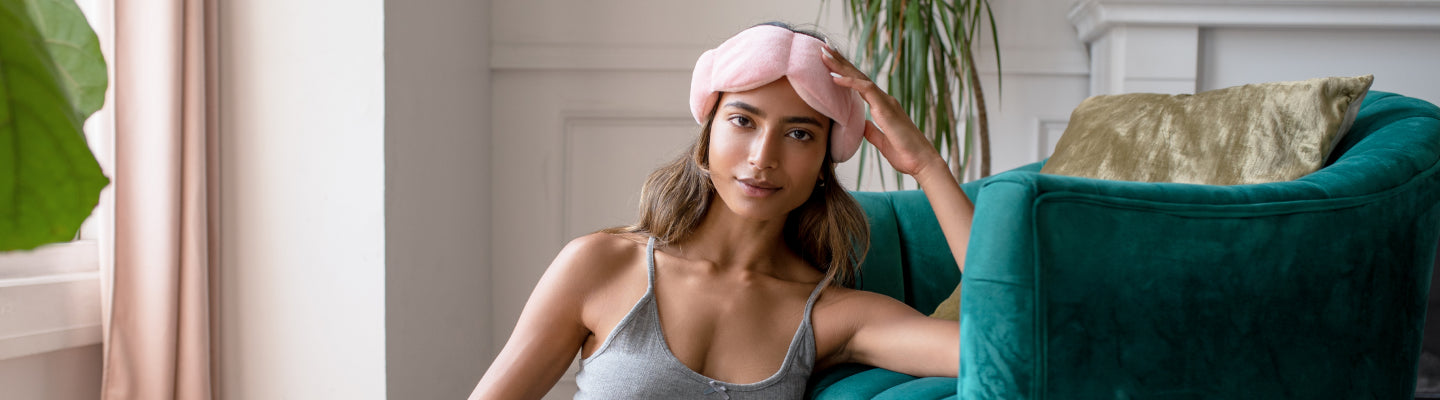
[
  {"x": 800, "y": 134},
  {"x": 740, "y": 120}
]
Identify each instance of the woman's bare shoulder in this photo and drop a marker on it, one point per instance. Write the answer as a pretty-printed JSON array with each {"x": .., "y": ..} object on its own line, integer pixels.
[
  {"x": 599, "y": 257},
  {"x": 599, "y": 246},
  {"x": 855, "y": 303}
]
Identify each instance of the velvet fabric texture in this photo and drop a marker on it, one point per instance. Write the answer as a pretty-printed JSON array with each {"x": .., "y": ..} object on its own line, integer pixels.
[
  {"x": 1267, "y": 132},
  {"x": 1079, "y": 288}
]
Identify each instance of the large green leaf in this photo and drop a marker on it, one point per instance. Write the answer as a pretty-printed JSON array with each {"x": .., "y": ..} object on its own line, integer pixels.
[
  {"x": 49, "y": 180},
  {"x": 76, "y": 51}
]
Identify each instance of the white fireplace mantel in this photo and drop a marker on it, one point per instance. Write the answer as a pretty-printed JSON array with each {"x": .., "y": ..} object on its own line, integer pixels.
[{"x": 1154, "y": 45}]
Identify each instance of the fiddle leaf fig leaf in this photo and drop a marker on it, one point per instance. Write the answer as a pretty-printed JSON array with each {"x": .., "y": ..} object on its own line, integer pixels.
[
  {"x": 76, "y": 52},
  {"x": 49, "y": 180}
]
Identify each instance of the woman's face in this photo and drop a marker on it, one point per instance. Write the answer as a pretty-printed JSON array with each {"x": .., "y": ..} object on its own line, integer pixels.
[{"x": 766, "y": 150}]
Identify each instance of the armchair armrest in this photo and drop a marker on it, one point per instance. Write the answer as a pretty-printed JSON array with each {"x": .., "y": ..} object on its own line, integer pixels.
[{"x": 1082, "y": 288}]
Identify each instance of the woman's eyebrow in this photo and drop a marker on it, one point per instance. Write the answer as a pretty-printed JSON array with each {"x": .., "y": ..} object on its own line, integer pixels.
[
  {"x": 789, "y": 120},
  {"x": 803, "y": 120},
  {"x": 747, "y": 107}
]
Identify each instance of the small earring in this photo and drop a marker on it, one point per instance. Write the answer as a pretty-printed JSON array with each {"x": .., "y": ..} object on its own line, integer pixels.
[{"x": 820, "y": 183}]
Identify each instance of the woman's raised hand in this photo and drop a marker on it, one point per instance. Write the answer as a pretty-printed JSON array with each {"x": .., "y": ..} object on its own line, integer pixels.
[
  {"x": 892, "y": 132},
  {"x": 897, "y": 138}
]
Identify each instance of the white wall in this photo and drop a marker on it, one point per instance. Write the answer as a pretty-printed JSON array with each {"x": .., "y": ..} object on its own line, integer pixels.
[
  {"x": 1402, "y": 60},
  {"x": 1045, "y": 75},
  {"x": 1182, "y": 47},
  {"x": 303, "y": 178},
  {"x": 437, "y": 197},
  {"x": 356, "y": 199}
]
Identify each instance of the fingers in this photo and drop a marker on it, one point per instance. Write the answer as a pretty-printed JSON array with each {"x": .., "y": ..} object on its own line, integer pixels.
[
  {"x": 900, "y": 142},
  {"x": 845, "y": 74},
  {"x": 839, "y": 64},
  {"x": 876, "y": 137},
  {"x": 860, "y": 85},
  {"x": 885, "y": 109}
]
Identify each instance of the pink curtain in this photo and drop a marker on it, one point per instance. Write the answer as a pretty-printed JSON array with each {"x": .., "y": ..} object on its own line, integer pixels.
[{"x": 161, "y": 337}]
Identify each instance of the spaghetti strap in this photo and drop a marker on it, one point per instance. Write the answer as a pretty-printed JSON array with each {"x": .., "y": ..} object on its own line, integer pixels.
[
  {"x": 814, "y": 294},
  {"x": 650, "y": 261}
]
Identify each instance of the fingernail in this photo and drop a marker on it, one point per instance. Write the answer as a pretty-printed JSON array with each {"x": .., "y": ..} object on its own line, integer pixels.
[
  {"x": 837, "y": 75},
  {"x": 826, "y": 50}
]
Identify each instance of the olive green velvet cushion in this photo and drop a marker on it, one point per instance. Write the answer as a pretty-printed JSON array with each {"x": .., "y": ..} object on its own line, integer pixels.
[
  {"x": 1267, "y": 132},
  {"x": 950, "y": 307},
  {"x": 1257, "y": 133}
]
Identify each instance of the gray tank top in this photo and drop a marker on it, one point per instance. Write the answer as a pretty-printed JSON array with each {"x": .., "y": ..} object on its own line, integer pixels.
[{"x": 636, "y": 363}]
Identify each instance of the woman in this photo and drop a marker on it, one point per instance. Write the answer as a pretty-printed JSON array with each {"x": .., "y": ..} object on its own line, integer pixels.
[{"x": 730, "y": 285}]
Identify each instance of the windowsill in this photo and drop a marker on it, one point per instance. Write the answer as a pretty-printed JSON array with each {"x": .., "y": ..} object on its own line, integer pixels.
[{"x": 49, "y": 299}]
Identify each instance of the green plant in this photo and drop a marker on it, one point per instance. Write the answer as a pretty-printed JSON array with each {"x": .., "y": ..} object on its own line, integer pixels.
[
  {"x": 52, "y": 78},
  {"x": 922, "y": 52}
]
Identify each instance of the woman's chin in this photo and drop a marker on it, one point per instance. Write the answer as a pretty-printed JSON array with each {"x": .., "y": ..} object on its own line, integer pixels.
[{"x": 769, "y": 207}]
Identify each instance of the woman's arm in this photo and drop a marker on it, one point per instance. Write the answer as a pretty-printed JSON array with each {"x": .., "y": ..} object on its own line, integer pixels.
[
  {"x": 883, "y": 332},
  {"x": 549, "y": 333},
  {"x": 900, "y": 141}
]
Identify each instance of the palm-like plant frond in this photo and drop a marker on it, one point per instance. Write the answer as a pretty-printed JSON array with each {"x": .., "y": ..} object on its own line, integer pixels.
[{"x": 922, "y": 52}]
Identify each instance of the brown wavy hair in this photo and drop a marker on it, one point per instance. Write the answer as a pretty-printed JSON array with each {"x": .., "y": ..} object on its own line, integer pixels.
[{"x": 828, "y": 231}]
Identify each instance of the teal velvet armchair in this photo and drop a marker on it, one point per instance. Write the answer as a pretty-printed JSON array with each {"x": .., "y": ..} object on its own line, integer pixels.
[{"x": 1078, "y": 288}]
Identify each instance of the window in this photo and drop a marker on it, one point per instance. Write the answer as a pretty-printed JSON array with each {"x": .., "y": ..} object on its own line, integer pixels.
[{"x": 50, "y": 298}]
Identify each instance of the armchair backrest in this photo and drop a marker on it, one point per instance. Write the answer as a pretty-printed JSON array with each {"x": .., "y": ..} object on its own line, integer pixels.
[
  {"x": 1312, "y": 287},
  {"x": 908, "y": 258},
  {"x": 1408, "y": 148}
]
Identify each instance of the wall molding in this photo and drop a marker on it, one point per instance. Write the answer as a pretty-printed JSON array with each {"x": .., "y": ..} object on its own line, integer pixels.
[
  {"x": 603, "y": 57},
  {"x": 1093, "y": 18},
  {"x": 1036, "y": 61},
  {"x": 574, "y": 120},
  {"x": 1154, "y": 45},
  {"x": 1048, "y": 130},
  {"x": 681, "y": 58}
]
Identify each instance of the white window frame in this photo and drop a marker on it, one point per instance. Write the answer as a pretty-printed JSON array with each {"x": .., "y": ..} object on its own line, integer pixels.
[{"x": 51, "y": 297}]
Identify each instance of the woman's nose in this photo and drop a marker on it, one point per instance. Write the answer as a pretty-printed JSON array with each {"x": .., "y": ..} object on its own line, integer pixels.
[{"x": 764, "y": 151}]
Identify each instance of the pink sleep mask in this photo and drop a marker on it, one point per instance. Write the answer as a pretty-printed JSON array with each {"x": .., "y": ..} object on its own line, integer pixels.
[{"x": 762, "y": 54}]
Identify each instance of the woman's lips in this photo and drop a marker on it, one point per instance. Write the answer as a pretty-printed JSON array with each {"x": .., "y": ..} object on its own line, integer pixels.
[{"x": 755, "y": 188}]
